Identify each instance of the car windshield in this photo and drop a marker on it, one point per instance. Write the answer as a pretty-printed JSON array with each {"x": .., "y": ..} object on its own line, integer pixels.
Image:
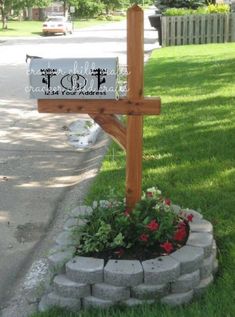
[{"x": 59, "y": 19}]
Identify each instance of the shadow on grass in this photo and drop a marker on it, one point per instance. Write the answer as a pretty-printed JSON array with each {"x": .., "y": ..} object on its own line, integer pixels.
[
  {"x": 7, "y": 30},
  {"x": 37, "y": 33}
]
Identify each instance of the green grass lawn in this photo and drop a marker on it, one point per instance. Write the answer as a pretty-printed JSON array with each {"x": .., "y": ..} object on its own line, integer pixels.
[
  {"x": 34, "y": 28},
  {"x": 189, "y": 153}
]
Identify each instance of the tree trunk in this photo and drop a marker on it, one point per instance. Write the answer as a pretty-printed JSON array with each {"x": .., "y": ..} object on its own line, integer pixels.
[
  {"x": 4, "y": 19},
  {"x": 4, "y": 23},
  {"x": 29, "y": 13},
  {"x": 66, "y": 9}
]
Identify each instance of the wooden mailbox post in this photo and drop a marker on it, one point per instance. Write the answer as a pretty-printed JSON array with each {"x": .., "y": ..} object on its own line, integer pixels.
[{"x": 135, "y": 105}]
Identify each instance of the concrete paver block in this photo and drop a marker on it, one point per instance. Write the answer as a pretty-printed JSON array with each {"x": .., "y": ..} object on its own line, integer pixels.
[
  {"x": 214, "y": 249},
  {"x": 81, "y": 211},
  {"x": 190, "y": 258},
  {"x": 203, "y": 240},
  {"x": 186, "y": 282},
  {"x": 67, "y": 288},
  {"x": 53, "y": 300},
  {"x": 145, "y": 291},
  {"x": 70, "y": 223},
  {"x": 215, "y": 266},
  {"x": 203, "y": 285},
  {"x": 123, "y": 273},
  {"x": 85, "y": 270},
  {"x": 65, "y": 239},
  {"x": 57, "y": 260},
  {"x": 177, "y": 299},
  {"x": 201, "y": 225},
  {"x": 207, "y": 267},
  {"x": 94, "y": 302},
  {"x": 131, "y": 302},
  {"x": 110, "y": 292},
  {"x": 196, "y": 214},
  {"x": 161, "y": 270}
]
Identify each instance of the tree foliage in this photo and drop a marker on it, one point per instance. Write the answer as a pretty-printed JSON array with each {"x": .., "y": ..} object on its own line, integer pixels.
[
  {"x": 191, "y": 4},
  {"x": 7, "y": 5}
]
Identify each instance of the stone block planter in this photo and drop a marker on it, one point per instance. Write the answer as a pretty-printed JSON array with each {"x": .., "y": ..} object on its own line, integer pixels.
[{"x": 174, "y": 279}]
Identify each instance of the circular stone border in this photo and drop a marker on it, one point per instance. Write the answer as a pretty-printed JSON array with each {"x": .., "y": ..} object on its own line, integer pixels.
[{"x": 84, "y": 282}]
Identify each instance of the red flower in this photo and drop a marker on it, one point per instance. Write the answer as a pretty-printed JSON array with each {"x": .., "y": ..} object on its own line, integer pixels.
[
  {"x": 149, "y": 194},
  {"x": 181, "y": 224},
  {"x": 144, "y": 237},
  {"x": 153, "y": 225},
  {"x": 119, "y": 253},
  {"x": 167, "y": 201},
  {"x": 190, "y": 217},
  {"x": 167, "y": 246},
  {"x": 180, "y": 234}
]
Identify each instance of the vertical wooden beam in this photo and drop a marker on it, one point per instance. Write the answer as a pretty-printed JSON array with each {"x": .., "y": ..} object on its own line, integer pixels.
[{"x": 135, "y": 66}]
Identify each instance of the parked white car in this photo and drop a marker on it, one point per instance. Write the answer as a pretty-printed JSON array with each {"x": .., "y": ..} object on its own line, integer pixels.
[{"x": 57, "y": 24}]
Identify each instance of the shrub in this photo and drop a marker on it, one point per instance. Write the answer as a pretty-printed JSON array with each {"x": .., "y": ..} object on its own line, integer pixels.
[
  {"x": 218, "y": 8},
  {"x": 211, "y": 9}
]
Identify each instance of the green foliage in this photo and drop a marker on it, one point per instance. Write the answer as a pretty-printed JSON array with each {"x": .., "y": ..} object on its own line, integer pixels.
[
  {"x": 211, "y": 9},
  {"x": 87, "y": 9},
  {"x": 190, "y": 4},
  {"x": 112, "y": 229},
  {"x": 218, "y": 8}
]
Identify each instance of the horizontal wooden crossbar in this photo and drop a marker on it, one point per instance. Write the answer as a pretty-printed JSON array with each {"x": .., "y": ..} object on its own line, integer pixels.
[{"x": 146, "y": 106}]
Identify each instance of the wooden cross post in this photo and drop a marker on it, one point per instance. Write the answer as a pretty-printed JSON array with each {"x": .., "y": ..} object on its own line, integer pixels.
[
  {"x": 135, "y": 85},
  {"x": 135, "y": 105}
]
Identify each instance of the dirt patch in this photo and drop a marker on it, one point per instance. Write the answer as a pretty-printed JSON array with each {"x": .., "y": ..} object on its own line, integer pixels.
[{"x": 29, "y": 232}]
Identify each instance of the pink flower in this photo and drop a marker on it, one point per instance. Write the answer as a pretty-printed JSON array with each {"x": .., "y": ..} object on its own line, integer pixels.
[
  {"x": 190, "y": 217},
  {"x": 153, "y": 225},
  {"x": 127, "y": 212},
  {"x": 167, "y": 246},
  {"x": 149, "y": 194},
  {"x": 167, "y": 201},
  {"x": 144, "y": 237}
]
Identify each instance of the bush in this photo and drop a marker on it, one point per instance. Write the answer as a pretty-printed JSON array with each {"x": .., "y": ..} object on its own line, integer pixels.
[
  {"x": 218, "y": 8},
  {"x": 211, "y": 9},
  {"x": 88, "y": 9}
]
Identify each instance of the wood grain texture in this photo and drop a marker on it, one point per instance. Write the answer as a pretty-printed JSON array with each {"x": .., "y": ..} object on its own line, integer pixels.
[
  {"x": 135, "y": 66},
  {"x": 146, "y": 106},
  {"x": 113, "y": 126}
]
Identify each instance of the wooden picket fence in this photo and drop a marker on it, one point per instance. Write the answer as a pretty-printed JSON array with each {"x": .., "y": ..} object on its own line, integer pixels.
[{"x": 198, "y": 29}]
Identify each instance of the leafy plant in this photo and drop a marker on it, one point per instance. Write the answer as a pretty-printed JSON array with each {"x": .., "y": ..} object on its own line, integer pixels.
[
  {"x": 218, "y": 8},
  {"x": 152, "y": 228},
  {"x": 211, "y": 9}
]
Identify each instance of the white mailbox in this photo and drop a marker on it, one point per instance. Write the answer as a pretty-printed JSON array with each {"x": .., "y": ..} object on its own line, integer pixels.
[{"x": 70, "y": 78}]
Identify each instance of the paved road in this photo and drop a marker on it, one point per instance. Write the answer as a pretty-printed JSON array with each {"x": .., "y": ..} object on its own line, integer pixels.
[{"x": 41, "y": 175}]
